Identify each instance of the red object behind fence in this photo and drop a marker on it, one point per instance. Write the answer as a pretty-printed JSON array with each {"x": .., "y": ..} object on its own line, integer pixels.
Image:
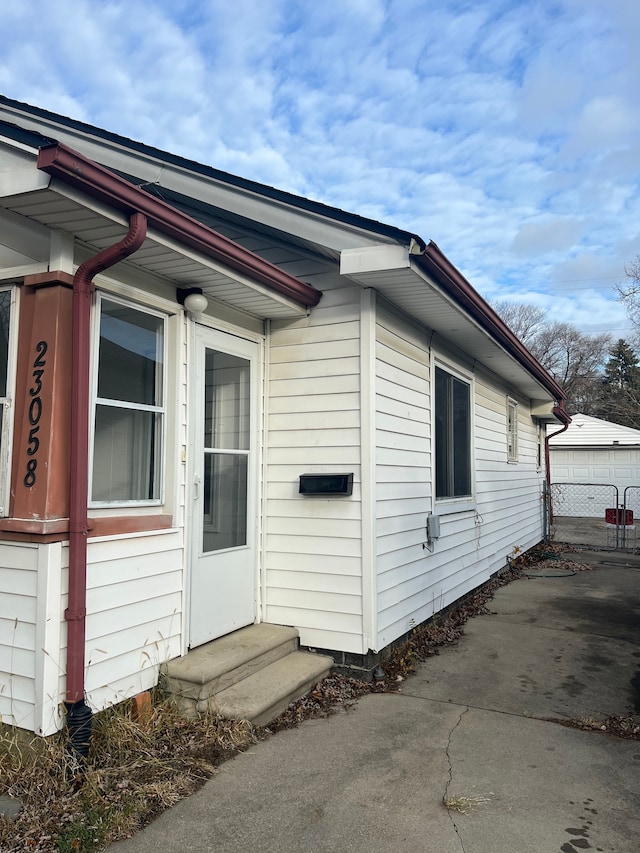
[{"x": 619, "y": 517}]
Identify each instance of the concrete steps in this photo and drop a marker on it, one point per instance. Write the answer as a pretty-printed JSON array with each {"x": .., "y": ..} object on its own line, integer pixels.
[{"x": 252, "y": 674}]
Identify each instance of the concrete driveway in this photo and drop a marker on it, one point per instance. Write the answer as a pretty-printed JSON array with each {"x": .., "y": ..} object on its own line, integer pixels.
[{"x": 470, "y": 727}]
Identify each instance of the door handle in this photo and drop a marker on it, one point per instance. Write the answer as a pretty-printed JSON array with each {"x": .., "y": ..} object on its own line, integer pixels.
[{"x": 196, "y": 486}]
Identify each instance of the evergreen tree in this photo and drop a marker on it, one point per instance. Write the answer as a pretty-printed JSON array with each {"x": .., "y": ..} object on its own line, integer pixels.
[{"x": 619, "y": 397}]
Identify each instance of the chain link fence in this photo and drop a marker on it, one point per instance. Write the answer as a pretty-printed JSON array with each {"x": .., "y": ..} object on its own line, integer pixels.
[{"x": 591, "y": 514}]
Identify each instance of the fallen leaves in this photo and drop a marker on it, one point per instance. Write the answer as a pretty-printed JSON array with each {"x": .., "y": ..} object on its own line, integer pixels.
[{"x": 622, "y": 727}]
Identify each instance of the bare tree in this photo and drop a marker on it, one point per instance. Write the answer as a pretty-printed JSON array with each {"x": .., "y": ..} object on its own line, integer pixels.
[
  {"x": 574, "y": 359},
  {"x": 629, "y": 294},
  {"x": 524, "y": 320}
]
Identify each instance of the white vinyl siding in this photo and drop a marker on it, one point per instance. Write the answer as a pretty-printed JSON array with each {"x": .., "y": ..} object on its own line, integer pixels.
[
  {"x": 508, "y": 496},
  {"x": 313, "y": 547},
  {"x": 18, "y": 620},
  {"x": 134, "y": 612},
  {"x": 134, "y": 623},
  {"x": 403, "y": 470},
  {"x": 504, "y": 512}
]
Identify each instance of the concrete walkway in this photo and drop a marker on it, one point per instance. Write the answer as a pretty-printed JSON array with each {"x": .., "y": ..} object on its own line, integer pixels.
[{"x": 471, "y": 723}]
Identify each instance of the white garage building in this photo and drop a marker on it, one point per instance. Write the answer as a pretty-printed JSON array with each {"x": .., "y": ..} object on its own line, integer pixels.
[{"x": 604, "y": 455}]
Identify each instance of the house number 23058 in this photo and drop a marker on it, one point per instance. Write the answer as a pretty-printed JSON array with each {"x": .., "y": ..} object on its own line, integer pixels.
[{"x": 35, "y": 413}]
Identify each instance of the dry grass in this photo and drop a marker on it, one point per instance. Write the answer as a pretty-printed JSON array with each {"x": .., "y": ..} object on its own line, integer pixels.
[
  {"x": 465, "y": 805},
  {"x": 136, "y": 769}
]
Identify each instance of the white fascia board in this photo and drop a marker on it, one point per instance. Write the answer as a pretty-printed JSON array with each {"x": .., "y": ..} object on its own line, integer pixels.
[
  {"x": 543, "y": 411},
  {"x": 18, "y": 172},
  {"x": 288, "y": 218},
  {"x": 305, "y": 224},
  {"x": 373, "y": 259},
  {"x": 20, "y": 180}
]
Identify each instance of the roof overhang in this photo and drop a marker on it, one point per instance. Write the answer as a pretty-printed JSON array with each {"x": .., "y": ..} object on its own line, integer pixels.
[
  {"x": 70, "y": 192},
  {"x": 413, "y": 275},
  {"x": 425, "y": 285}
]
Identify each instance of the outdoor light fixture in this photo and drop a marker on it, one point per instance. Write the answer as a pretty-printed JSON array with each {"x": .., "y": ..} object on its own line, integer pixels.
[{"x": 193, "y": 300}]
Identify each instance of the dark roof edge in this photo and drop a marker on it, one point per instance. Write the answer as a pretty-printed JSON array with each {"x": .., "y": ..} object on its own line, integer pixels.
[
  {"x": 78, "y": 171},
  {"x": 120, "y": 193},
  {"x": 436, "y": 264},
  {"x": 269, "y": 192}
]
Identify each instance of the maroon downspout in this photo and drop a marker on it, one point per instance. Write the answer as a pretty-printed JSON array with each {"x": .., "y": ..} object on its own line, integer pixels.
[
  {"x": 560, "y": 413},
  {"x": 79, "y": 465}
]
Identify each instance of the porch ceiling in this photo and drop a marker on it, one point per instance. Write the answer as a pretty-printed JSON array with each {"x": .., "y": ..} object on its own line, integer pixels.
[{"x": 96, "y": 226}]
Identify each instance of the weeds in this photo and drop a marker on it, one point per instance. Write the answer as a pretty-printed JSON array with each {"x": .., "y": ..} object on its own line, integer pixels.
[
  {"x": 136, "y": 769},
  {"x": 465, "y": 805}
]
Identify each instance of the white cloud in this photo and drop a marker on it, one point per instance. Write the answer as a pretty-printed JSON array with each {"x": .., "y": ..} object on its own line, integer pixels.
[
  {"x": 506, "y": 131},
  {"x": 552, "y": 235}
]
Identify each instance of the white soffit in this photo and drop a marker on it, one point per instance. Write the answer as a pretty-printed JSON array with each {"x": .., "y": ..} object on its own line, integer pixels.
[
  {"x": 418, "y": 296},
  {"x": 62, "y": 207}
]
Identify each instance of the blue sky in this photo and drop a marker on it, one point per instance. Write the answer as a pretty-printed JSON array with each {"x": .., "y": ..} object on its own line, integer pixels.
[{"x": 508, "y": 131}]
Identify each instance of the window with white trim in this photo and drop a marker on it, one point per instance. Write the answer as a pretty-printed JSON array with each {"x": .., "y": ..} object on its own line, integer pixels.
[
  {"x": 129, "y": 405},
  {"x": 512, "y": 431},
  {"x": 452, "y": 406},
  {"x": 540, "y": 437},
  {"x": 6, "y": 393}
]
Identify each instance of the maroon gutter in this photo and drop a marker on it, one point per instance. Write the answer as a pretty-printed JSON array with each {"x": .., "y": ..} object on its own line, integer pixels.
[
  {"x": 437, "y": 265},
  {"x": 73, "y": 168}
]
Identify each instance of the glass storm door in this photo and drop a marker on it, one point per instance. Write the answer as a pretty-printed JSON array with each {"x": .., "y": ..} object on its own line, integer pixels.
[{"x": 224, "y": 567}]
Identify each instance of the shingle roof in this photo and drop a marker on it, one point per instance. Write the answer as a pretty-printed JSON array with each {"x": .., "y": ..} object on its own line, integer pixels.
[{"x": 586, "y": 431}]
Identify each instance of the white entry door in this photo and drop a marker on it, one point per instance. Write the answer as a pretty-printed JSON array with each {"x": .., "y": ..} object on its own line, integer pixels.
[{"x": 224, "y": 486}]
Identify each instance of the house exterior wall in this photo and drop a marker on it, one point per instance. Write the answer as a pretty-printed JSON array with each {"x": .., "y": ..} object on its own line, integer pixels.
[
  {"x": 346, "y": 389},
  {"x": 477, "y": 535},
  {"x": 134, "y": 622},
  {"x": 403, "y": 472},
  {"x": 137, "y": 573},
  {"x": 19, "y": 579},
  {"x": 134, "y": 612},
  {"x": 313, "y": 546}
]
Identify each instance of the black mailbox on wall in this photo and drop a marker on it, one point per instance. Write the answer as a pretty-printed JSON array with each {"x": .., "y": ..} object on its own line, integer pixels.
[{"x": 326, "y": 484}]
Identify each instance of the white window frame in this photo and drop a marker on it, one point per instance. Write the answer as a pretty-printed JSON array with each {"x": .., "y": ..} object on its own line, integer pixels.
[
  {"x": 512, "y": 430},
  {"x": 7, "y": 401},
  {"x": 540, "y": 434},
  {"x": 139, "y": 407},
  {"x": 467, "y": 499}
]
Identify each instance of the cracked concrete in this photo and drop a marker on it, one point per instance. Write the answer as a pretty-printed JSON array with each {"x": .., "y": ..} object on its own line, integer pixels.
[
  {"x": 469, "y": 723},
  {"x": 445, "y": 796}
]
